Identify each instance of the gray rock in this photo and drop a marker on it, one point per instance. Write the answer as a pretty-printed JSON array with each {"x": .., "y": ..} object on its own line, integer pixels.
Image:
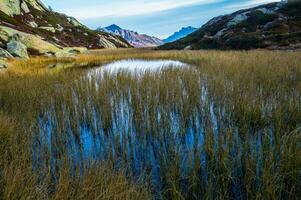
[
  {"x": 106, "y": 43},
  {"x": 17, "y": 48},
  {"x": 10, "y": 7},
  {"x": 220, "y": 33},
  {"x": 48, "y": 28},
  {"x": 49, "y": 54},
  {"x": 25, "y": 7},
  {"x": 238, "y": 18},
  {"x": 188, "y": 48},
  {"x": 31, "y": 41},
  {"x": 4, "y": 54},
  {"x": 266, "y": 11},
  {"x": 59, "y": 28},
  {"x": 74, "y": 21},
  {"x": 33, "y": 24}
]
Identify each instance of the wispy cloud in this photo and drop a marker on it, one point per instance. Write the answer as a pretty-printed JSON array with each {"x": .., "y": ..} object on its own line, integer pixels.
[
  {"x": 131, "y": 8},
  {"x": 248, "y": 4},
  {"x": 154, "y": 17}
]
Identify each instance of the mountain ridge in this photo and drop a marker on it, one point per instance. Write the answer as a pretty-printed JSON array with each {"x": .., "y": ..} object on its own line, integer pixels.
[
  {"x": 183, "y": 32},
  {"x": 270, "y": 26},
  {"x": 134, "y": 38}
]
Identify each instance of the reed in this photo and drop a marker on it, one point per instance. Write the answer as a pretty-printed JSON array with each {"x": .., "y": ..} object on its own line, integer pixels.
[{"x": 228, "y": 127}]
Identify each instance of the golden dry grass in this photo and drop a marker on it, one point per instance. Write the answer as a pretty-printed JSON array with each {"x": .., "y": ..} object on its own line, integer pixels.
[{"x": 254, "y": 93}]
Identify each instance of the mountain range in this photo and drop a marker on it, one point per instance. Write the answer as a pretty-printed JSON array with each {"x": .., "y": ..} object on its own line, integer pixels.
[
  {"x": 270, "y": 26},
  {"x": 135, "y": 39},
  {"x": 28, "y": 28},
  {"x": 180, "y": 34}
]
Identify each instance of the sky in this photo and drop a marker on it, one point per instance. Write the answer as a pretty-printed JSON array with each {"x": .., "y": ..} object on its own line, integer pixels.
[{"x": 158, "y": 18}]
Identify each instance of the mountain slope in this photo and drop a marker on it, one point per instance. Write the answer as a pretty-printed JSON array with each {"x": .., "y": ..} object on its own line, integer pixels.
[
  {"x": 31, "y": 20},
  {"x": 272, "y": 26},
  {"x": 180, "y": 34},
  {"x": 134, "y": 38}
]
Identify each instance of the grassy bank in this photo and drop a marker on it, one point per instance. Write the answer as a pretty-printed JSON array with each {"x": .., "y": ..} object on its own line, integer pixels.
[{"x": 228, "y": 127}]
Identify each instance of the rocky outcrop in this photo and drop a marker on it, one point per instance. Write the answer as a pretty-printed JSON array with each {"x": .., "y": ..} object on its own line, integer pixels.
[
  {"x": 134, "y": 38},
  {"x": 10, "y": 7},
  {"x": 32, "y": 42},
  {"x": 4, "y": 54},
  {"x": 45, "y": 32},
  {"x": 270, "y": 26},
  {"x": 17, "y": 49},
  {"x": 48, "y": 28}
]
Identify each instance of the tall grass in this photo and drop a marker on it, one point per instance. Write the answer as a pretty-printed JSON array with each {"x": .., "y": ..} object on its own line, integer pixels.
[{"x": 226, "y": 128}]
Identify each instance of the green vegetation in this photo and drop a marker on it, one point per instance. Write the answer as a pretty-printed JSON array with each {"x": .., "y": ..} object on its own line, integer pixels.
[
  {"x": 4, "y": 17},
  {"x": 270, "y": 26},
  {"x": 245, "y": 105}
]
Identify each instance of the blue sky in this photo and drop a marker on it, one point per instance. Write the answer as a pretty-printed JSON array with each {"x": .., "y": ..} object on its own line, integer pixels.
[{"x": 159, "y": 18}]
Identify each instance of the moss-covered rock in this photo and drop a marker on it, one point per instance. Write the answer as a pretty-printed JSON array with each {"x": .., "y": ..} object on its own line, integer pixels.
[
  {"x": 17, "y": 49},
  {"x": 4, "y": 54},
  {"x": 29, "y": 40},
  {"x": 10, "y": 7}
]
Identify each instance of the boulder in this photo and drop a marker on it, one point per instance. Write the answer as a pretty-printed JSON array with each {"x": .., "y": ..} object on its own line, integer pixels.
[
  {"x": 17, "y": 48},
  {"x": 48, "y": 28},
  {"x": 106, "y": 43},
  {"x": 30, "y": 40},
  {"x": 238, "y": 18},
  {"x": 74, "y": 22},
  {"x": 10, "y": 7},
  {"x": 33, "y": 24},
  {"x": 220, "y": 33},
  {"x": 188, "y": 48},
  {"x": 4, "y": 54},
  {"x": 24, "y": 7},
  {"x": 59, "y": 28},
  {"x": 37, "y": 4}
]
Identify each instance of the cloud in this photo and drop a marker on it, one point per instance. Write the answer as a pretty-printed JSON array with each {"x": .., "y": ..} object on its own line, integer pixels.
[
  {"x": 248, "y": 4},
  {"x": 131, "y": 8}
]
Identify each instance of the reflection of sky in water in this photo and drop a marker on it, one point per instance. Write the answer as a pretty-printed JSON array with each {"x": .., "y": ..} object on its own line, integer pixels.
[
  {"x": 143, "y": 147},
  {"x": 137, "y": 67}
]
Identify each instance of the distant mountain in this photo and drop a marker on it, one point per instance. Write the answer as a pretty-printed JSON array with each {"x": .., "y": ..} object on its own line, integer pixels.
[
  {"x": 271, "y": 26},
  {"x": 180, "y": 34},
  {"x": 134, "y": 38}
]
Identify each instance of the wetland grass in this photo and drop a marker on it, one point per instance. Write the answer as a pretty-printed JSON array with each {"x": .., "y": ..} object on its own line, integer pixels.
[{"x": 228, "y": 127}]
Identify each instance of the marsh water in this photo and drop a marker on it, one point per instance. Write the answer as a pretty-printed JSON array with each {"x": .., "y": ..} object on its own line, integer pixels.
[{"x": 158, "y": 126}]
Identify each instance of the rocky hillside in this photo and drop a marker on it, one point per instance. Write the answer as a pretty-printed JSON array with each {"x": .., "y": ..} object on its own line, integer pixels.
[
  {"x": 27, "y": 27},
  {"x": 271, "y": 26},
  {"x": 180, "y": 34},
  {"x": 134, "y": 38}
]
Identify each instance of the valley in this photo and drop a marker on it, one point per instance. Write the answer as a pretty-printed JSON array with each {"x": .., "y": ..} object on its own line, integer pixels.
[{"x": 108, "y": 113}]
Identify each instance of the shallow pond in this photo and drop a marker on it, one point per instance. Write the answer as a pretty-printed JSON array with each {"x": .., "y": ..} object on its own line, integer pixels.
[{"x": 160, "y": 126}]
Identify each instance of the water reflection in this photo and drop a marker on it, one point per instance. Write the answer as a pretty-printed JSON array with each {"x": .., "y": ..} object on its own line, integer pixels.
[
  {"x": 137, "y": 66},
  {"x": 159, "y": 130}
]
